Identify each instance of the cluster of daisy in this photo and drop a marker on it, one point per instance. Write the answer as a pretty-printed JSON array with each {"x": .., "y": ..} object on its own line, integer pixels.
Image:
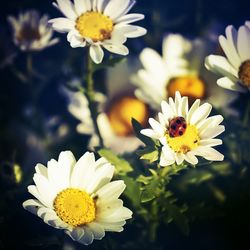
[{"x": 79, "y": 196}]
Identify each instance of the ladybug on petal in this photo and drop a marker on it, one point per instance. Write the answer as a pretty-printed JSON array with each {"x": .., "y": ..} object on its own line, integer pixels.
[{"x": 177, "y": 126}]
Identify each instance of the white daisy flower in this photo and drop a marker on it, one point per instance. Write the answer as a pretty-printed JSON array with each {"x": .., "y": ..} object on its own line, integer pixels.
[
  {"x": 178, "y": 69},
  {"x": 98, "y": 23},
  {"x": 235, "y": 67},
  {"x": 32, "y": 32},
  {"x": 78, "y": 197},
  {"x": 186, "y": 133},
  {"x": 116, "y": 112}
]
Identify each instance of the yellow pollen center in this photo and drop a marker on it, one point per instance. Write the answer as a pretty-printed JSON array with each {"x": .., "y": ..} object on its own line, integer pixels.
[
  {"x": 123, "y": 110},
  {"x": 244, "y": 73},
  {"x": 95, "y": 25},
  {"x": 185, "y": 143},
  {"x": 75, "y": 207},
  {"x": 191, "y": 86}
]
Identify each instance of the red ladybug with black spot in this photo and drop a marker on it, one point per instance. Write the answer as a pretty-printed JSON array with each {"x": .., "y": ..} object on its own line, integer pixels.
[{"x": 177, "y": 127}]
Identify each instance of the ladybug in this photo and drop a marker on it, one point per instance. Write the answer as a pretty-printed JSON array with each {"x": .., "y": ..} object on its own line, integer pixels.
[{"x": 177, "y": 127}]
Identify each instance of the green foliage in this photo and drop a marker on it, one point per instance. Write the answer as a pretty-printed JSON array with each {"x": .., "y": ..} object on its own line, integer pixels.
[
  {"x": 149, "y": 154},
  {"x": 132, "y": 191},
  {"x": 122, "y": 166},
  {"x": 111, "y": 62},
  {"x": 137, "y": 128},
  {"x": 175, "y": 214}
]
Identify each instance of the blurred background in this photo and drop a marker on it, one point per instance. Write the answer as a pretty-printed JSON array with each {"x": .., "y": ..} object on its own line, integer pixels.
[{"x": 35, "y": 125}]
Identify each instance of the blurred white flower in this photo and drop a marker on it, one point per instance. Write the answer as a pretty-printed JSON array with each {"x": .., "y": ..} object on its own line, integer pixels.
[
  {"x": 78, "y": 197},
  {"x": 180, "y": 68},
  {"x": 32, "y": 32},
  {"x": 186, "y": 133},
  {"x": 98, "y": 23},
  {"x": 116, "y": 111},
  {"x": 235, "y": 67}
]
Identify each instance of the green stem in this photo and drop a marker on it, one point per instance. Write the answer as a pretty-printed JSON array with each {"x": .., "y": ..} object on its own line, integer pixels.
[
  {"x": 90, "y": 93},
  {"x": 29, "y": 65}
]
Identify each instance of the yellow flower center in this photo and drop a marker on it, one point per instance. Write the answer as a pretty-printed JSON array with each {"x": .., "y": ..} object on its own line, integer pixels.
[
  {"x": 75, "y": 207},
  {"x": 95, "y": 25},
  {"x": 244, "y": 73},
  {"x": 191, "y": 86},
  {"x": 123, "y": 110},
  {"x": 185, "y": 143}
]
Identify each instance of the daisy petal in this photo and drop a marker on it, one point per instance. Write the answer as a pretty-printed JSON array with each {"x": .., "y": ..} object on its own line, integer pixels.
[
  {"x": 227, "y": 83},
  {"x": 45, "y": 189},
  {"x": 132, "y": 31},
  {"x": 201, "y": 113},
  {"x": 82, "y": 171},
  {"x": 42, "y": 170},
  {"x": 130, "y": 18},
  {"x": 179, "y": 158},
  {"x": 221, "y": 66},
  {"x": 191, "y": 158},
  {"x": 62, "y": 24},
  {"x": 117, "y": 49},
  {"x": 67, "y": 8},
  {"x": 209, "y": 154},
  {"x": 100, "y": 5},
  {"x": 212, "y": 132},
  {"x": 76, "y": 233},
  {"x": 97, "y": 230},
  {"x": 87, "y": 237},
  {"x": 243, "y": 43},
  {"x": 167, "y": 110},
  {"x": 32, "y": 206},
  {"x": 150, "y": 133},
  {"x": 167, "y": 157},
  {"x": 156, "y": 126},
  {"x": 102, "y": 176},
  {"x": 66, "y": 162},
  {"x": 193, "y": 108},
  {"x": 96, "y": 53},
  {"x": 82, "y": 6},
  {"x": 228, "y": 45},
  {"x": 112, "y": 190},
  {"x": 116, "y": 8}
]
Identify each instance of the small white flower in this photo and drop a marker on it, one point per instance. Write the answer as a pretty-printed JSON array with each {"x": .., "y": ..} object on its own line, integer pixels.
[
  {"x": 186, "y": 133},
  {"x": 180, "y": 68},
  {"x": 32, "y": 32},
  {"x": 98, "y": 23},
  {"x": 235, "y": 67},
  {"x": 78, "y": 197}
]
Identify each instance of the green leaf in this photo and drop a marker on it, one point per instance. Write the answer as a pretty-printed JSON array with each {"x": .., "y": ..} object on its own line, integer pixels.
[
  {"x": 132, "y": 190},
  {"x": 109, "y": 63},
  {"x": 137, "y": 128},
  {"x": 149, "y": 191},
  {"x": 121, "y": 165},
  {"x": 149, "y": 154},
  {"x": 144, "y": 179},
  {"x": 178, "y": 217}
]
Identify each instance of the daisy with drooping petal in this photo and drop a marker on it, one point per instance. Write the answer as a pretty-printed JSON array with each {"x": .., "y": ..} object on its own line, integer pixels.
[
  {"x": 186, "y": 133},
  {"x": 32, "y": 32},
  {"x": 98, "y": 23},
  {"x": 78, "y": 197},
  {"x": 235, "y": 67},
  {"x": 180, "y": 68}
]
